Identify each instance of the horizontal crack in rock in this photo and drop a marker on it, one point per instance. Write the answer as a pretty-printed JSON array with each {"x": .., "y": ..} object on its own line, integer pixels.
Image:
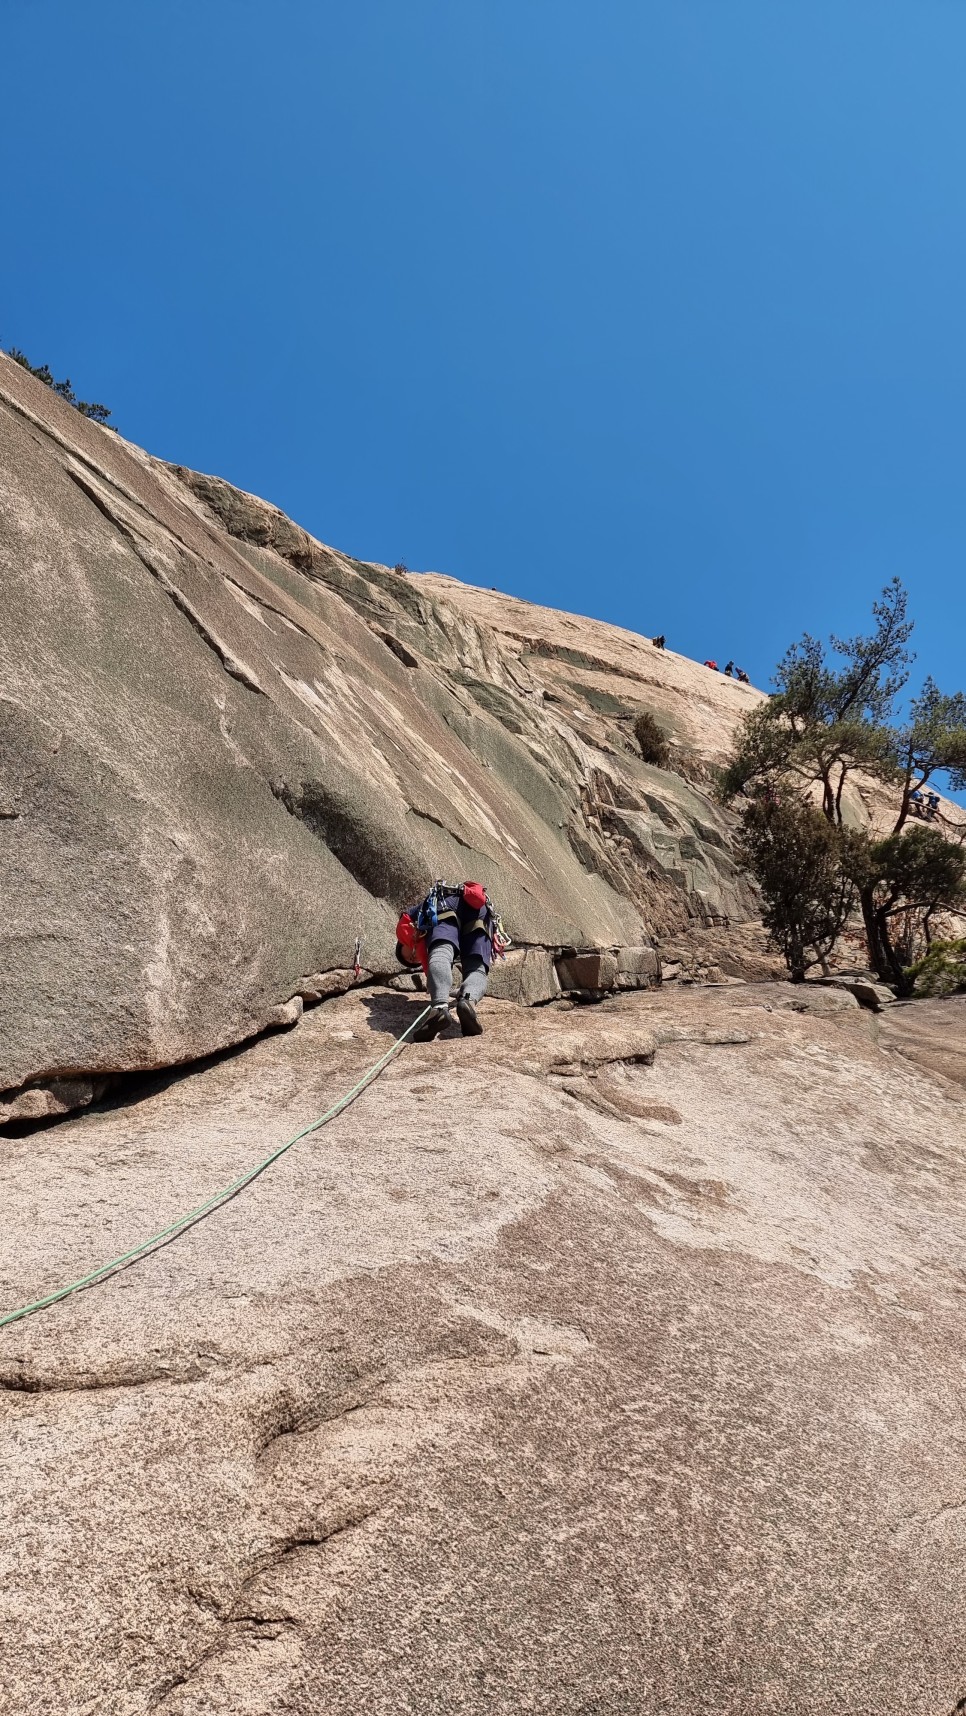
[{"x": 85, "y": 1384}]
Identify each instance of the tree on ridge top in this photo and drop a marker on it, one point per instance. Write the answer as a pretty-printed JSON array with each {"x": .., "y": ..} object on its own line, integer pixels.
[{"x": 87, "y": 407}]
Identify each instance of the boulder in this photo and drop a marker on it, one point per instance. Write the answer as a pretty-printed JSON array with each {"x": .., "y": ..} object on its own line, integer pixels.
[
  {"x": 593, "y": 972},
  {"x": 811, "y": 997},
  {"x": 47, "y": 1101},
  {"x": 867, "y": 991},
  {"x": 527, "y": 975},
  {"x": 637, "y": 967},
  {"x": 219, "y": 772}
]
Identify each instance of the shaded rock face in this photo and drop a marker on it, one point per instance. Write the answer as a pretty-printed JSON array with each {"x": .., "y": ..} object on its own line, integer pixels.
[{"x": 227, "y": 751}]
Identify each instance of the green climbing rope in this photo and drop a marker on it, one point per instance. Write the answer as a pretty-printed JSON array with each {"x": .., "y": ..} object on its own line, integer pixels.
[{"x": 226, "y": 1192}]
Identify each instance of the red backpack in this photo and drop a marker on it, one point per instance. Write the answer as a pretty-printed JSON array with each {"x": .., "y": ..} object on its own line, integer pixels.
[{"x": 411, "y": 943}]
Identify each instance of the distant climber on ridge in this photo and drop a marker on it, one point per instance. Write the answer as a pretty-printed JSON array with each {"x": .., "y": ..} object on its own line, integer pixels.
[
  {"x": 452, "y": 922},
  {"x": 659, "y": 642},
  {"x": 729, "y": 668}
]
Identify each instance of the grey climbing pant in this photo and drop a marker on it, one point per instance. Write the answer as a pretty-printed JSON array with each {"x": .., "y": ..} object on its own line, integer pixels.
[{"x": 473, "y": 986}]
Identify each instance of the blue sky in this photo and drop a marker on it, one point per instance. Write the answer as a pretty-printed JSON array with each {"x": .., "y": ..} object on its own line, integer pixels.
[{"x": 653, "y": 311}]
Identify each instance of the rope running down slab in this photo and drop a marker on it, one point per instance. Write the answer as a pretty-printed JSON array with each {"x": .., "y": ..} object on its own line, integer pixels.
[{"x": 185, "y": 1221}]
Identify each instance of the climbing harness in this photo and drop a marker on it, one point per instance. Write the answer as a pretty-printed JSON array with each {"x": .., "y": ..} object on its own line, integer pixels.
[
  {"x": 427, "y": 915},
  {"x": 183, "y": 1222}
]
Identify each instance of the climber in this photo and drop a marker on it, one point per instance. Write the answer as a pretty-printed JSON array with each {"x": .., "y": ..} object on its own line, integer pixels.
[
  {"x": 659, "y": 642},
  {"x": 729, "y": 668},
  {"x": 452, "y": 922},
  {"x": 741, "y": 675},
  {"x": 712, "y": 664},
  {"x": 916, "y": 804},
  {"x": 932, "y": 805}
]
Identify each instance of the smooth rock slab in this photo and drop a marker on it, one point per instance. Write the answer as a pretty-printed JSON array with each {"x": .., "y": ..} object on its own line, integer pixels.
[{"x": 634, "y": 1387}]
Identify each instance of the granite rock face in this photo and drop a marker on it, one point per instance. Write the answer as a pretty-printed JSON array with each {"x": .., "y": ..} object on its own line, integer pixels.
[
  {"x": 227, "y": 751},
  {"x": 611, "y": 1362},
  {"x": 229, "y": 754}
]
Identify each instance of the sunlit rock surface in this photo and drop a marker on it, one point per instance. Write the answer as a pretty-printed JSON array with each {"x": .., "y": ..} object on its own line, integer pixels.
[
  {"x": 227, "y": 751},
  {"x": 612, "y": 1361}
]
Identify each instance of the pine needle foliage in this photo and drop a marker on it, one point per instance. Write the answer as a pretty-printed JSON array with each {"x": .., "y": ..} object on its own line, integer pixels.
[
  {"x": 808, "y": 889},
  {"x": 833, "y": 714},
  {"x": 652, "y": 741},
  {"x": 87, "y": 407}
]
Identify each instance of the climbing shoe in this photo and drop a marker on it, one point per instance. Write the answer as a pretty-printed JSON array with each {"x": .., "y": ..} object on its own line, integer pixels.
[
  {"x": 466, "y": 1014},
  {"x": 436, "y": 1021}
]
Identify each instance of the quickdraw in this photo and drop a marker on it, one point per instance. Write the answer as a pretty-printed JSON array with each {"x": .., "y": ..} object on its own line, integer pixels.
[
  {"x": 427, "y": 917},
  {"x": 501, "y": 941}
]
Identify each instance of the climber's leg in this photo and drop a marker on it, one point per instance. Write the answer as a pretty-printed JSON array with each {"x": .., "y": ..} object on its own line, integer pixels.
[
  {"x": 440, "y": 974},
  {"x": 440, "y": 977},
  {"x": 471, "y": 990}
]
